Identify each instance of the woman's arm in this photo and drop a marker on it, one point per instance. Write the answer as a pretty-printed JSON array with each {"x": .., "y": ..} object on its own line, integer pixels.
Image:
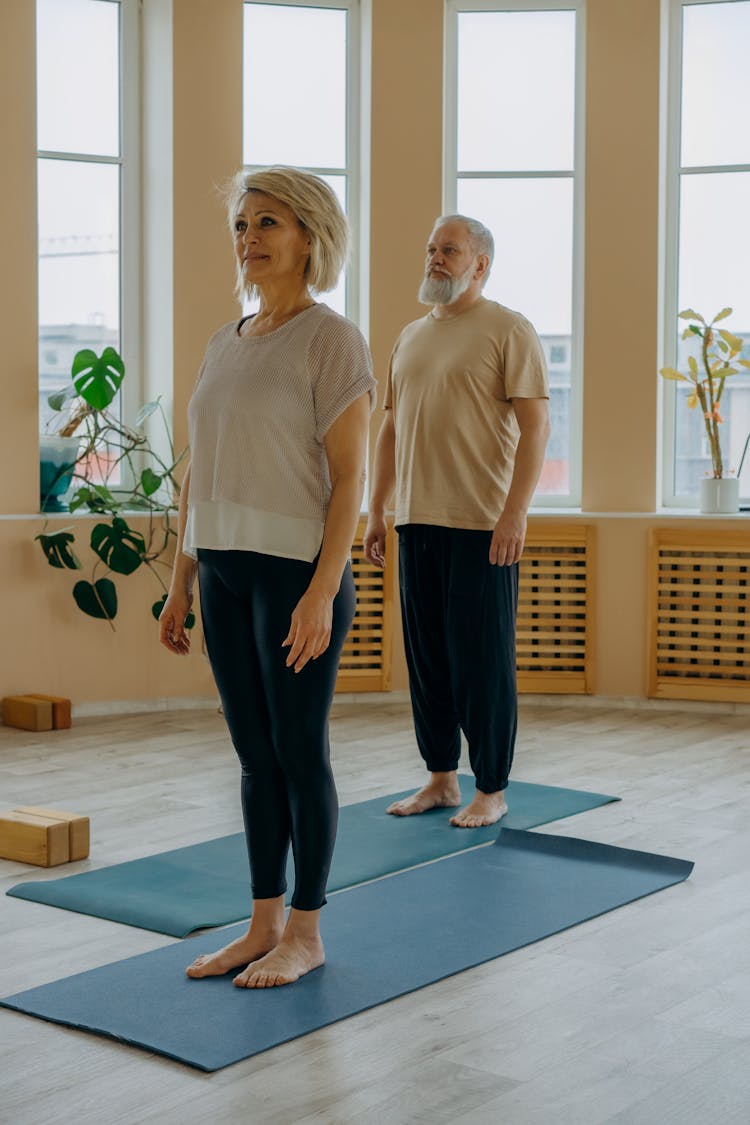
[
  {"x": 346, "y": 449},
  {"x": 172, "y": 632}
]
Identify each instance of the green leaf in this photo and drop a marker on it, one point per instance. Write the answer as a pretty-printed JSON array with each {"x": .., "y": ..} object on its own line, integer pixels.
[
  {"x": 150, "y": 481},
  {"x": 58, "y": 551},
  {"x": 157, "y": 607},
  {"x": 58, "y": 399},
  {"x": 671, "y": 373},
  {"x": 691, "y": 314},
  {"x": 99, "y": 600},
  {"x": 146, "y": 411},
  {"x": 722, "y": 315},
  {"x": 96, "y": 497},
  {"x": 97, "y": 379},
  {"x": 118, "y": 546},
  {"x": 695, "y": 330}
]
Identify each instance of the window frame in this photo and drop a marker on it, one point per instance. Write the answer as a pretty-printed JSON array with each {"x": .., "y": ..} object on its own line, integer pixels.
[
  {"x": 129, "y": 227},
  {"x": 356, "y": 288},
  {"x": 451, "y": 176},
  {"x": 672, "y": 172}
]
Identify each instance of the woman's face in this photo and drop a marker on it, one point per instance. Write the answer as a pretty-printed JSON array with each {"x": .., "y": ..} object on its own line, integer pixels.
[{"x": 269, "y": 242}]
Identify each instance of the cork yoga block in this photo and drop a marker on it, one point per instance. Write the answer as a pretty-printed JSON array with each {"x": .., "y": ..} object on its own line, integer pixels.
[
  {"x": 28, "y": 838},
  {"x": 27, "y": 712},
  {"x": 78, "y": 828},
  {"x": 61, "y": 715}
]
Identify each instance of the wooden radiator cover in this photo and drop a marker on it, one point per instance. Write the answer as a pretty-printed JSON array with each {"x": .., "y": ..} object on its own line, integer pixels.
[
  {"x": 554, "y": 638},
  {"x": 699, "y": 615},
  {"x": 366, "y": 657}
]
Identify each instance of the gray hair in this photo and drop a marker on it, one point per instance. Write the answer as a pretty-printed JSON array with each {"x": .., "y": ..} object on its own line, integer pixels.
[
  {"x": 480, "y": 235},
  {"x": 317, "y": 209}
]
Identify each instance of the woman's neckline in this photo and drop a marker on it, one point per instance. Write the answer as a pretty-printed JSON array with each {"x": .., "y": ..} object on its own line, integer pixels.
[{"x": 274, "y": 331}]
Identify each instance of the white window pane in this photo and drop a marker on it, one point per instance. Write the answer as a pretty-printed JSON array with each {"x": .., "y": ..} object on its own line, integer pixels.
[
  {"x": 532, "y": 224},
  {"x": 716, "y": 84},
  {"x": 78, "y": 76},
  {"x": 714, "y": 250},
  {"x": 516, "y": 91},
  {"x": 79, "y": 206},
  {"x": 294, "y": 86},
  {"x": 715, "y": 245}
]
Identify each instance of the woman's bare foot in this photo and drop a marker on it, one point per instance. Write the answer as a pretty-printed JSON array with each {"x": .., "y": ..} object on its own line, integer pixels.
[
  {"x": 290, "y": 960},
  {"x": 264, "y": 933},
  {"x": 232, "y": 956},
  {"x": 441, "y": 791},
  {"x": 486, "y": 808}
]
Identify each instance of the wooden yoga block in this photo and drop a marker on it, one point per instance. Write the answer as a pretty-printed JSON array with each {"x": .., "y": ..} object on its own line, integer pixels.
[
  {"x": 78, "y": 828},
  {"x": 61, "y": 716},
  {"x": 27, "y": 712},
  {"x": 34, "y": 839}
]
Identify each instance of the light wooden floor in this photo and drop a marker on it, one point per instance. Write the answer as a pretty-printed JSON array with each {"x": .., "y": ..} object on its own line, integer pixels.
[{"x": 640, "y": 1017}]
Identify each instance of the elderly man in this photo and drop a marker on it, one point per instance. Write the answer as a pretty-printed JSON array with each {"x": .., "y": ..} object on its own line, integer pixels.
[{"x": 462, "y": 443}]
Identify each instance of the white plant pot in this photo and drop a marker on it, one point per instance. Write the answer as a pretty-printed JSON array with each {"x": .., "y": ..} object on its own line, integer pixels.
[{"x": 720, "y": 495}]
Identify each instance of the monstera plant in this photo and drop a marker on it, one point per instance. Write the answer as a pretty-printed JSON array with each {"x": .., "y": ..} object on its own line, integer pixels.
[{"x": 116, "y": 472}]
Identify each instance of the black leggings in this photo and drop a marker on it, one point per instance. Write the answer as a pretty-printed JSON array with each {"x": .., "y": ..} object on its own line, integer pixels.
[{"x": 278, "y": 719}]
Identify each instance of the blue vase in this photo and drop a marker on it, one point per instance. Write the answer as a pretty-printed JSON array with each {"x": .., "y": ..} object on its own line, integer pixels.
[{"x": 57, "y": 458}]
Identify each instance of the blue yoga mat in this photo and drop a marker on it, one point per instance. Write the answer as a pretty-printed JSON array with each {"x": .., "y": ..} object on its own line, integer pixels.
[
  {"x": 207, "y": 884},
  {"x": 383, "y": 939}
]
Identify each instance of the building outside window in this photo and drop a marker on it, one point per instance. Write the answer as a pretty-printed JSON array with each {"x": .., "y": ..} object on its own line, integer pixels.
[
  {"x": 707, "y": 197},
  {"x": 512, "y": 148}
]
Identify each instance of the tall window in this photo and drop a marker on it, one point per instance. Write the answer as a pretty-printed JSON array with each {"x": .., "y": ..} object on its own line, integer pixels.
[
  {"x": 708, "y": 231},
  {"x": 86, "y": 211},
  {"x": 306, "y": 112},
  {"x": 512, "y": 140}
]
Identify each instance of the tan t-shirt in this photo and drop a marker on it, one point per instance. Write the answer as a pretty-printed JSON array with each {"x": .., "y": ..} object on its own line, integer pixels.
[{"x": 450, "y": 385}]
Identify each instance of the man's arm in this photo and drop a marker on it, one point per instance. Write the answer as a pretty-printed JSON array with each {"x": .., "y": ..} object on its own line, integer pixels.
[
  {"x": 510, "y": 530},
  {"x": 383, "y": 484}
]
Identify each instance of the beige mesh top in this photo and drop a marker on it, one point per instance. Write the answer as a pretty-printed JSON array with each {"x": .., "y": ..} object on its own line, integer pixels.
[
  {"x": 261, "y": 408},
  {"x": 450, "y": 385}
]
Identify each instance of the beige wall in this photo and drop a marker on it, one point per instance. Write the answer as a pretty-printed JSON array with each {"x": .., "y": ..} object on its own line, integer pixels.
[{"x": 47, "y": 644}]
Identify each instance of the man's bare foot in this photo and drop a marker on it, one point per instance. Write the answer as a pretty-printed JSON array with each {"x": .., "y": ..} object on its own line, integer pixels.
[
  {"x": 290, "y": 960},
  {"x": 440, "y": 792},
  {"x": 486, "y": 808},
  {"x": 247, "y": 948}
]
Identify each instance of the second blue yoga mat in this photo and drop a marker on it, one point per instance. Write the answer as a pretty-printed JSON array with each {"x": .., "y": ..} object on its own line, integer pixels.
[
  {"x": 382, "y": 940},
  {"x": 207, "y": 884}
]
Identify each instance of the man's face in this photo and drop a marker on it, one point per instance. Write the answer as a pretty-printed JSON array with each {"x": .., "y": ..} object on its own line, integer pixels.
[{"x": 450, "y": 264}]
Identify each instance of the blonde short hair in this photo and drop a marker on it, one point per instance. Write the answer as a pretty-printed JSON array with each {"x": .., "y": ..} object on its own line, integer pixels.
[{"x": 317, "y": 210}]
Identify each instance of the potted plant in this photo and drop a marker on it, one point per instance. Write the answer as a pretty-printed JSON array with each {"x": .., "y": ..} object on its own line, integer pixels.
[
  {"x": 114, "y": 470},
  {"x": 719, "y": 352}
]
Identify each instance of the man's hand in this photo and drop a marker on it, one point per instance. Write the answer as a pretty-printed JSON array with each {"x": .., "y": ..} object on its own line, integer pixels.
[
  {"x": 374, "y": 541},
  {"x": 508, "y": 539}
]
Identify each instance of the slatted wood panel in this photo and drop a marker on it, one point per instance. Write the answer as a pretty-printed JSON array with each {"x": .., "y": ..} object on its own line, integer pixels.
[
  {"x": 699, "y": 615},
  {"x": 554, "y": 637},
  {"x": 366, "y": 659}
]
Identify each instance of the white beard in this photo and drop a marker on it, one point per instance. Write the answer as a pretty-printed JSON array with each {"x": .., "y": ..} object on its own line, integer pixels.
[{"x": 444, "y": 290}]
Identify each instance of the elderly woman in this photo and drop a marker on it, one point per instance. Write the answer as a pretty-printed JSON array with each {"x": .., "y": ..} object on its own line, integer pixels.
[{"x": 278, "y": 430}]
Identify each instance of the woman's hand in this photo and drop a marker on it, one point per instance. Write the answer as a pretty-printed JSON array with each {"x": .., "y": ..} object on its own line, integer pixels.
[
  {"x": 310, "y": 629},
  {"x": 172, "y": 632}
]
